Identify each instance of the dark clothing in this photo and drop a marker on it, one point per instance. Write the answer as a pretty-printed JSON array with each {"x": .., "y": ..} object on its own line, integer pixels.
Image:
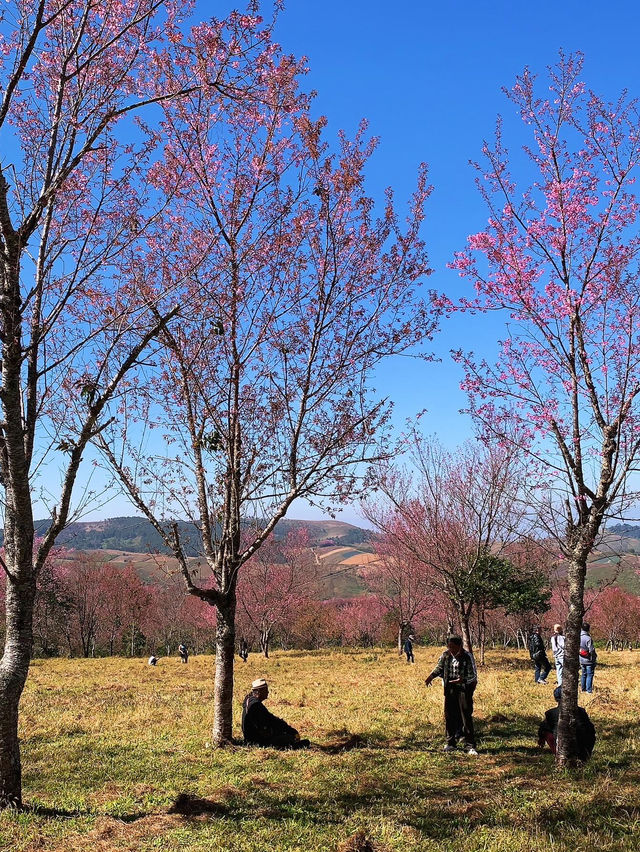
[
  {"x": 243, "y": 650},
  {"x": 538, "y": 654},
  {"x": 458, "y": 710},
  {"x": 260, "y": 727},
  {"x": 585, "y": 732},
  {"x": 184, "y": 654},
  {"x": 408, "y": 649},
  {"x": 458, "y": 697}
]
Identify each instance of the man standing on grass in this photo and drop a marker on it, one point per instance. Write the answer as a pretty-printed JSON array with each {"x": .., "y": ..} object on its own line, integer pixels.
[
  {"x": 538, "y": 654},
  {"x": 588, "y": 657},
  {"x": 408, "y": 649},
  {"x": 459, "y": 677}
]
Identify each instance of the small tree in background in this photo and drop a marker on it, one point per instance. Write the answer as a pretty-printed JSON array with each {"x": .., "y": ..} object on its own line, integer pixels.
[
  {"x": 401, "y": 581},
  {"x": 559, "y": 257},
  {"x": 277, "y": 580},
  {"x": 447, "y": 514}
]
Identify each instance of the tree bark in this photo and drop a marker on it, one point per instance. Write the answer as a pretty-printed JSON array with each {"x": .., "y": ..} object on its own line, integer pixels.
[
  {"x": 14, "y": 668},
  {"x": 223, "y": 686},
  {"x": 567, "y": 746}
]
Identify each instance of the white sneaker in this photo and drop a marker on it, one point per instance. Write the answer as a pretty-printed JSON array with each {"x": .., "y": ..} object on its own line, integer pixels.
[
  {"x": 449, "y": 748},
  {"x": 472, "y": 751}
]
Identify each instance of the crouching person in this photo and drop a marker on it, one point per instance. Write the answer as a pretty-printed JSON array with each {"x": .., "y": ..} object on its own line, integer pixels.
[
  {"x": 458, "y": 673},
  {"x": 260, "y": 727},
  {"x": 585, "y": 732}
]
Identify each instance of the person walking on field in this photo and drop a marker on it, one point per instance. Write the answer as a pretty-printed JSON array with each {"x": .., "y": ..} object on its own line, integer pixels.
[
  {"x": 408, "y": 649},
  {"x": 243, "y": 650},
  {"x": 538, "y": 654},
  {"x": 557, "y": 647},
  {"x": 184, "y": 654},
  {"x": 458, "y": 673},
  {"x": 588, "y": 658}
]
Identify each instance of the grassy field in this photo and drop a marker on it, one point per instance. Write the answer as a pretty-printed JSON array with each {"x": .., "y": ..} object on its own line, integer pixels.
[{"x": 116, "y": 757}]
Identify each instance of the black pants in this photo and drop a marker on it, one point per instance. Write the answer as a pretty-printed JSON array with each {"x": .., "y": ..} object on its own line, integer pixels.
[
  {"x": 410, "y": 656},
  {"x": 458, "y": 712}
]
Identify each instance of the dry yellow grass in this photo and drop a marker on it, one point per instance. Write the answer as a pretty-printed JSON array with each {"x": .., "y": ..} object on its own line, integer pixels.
[{"x": 110, "y": 745}]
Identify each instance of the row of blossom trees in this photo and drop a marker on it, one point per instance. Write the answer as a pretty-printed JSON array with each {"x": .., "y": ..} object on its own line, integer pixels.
[{"x": 87, "y": 606}]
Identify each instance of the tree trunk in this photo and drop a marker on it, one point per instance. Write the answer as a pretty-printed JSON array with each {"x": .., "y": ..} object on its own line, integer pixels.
[
  {"x": 567, "y": 747},
  {"x": 465, "y": 616},
  {"x": 400, "y": 631},
  {"x": 14, "y": 668},
  {"x": 223, "y": 686},
  {"x": 482, "y": 630},
  {"x": 264, "y": 642}
]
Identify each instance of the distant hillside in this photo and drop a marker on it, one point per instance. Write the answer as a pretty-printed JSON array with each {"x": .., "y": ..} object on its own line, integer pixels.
[{"x": 137, "y": 535}]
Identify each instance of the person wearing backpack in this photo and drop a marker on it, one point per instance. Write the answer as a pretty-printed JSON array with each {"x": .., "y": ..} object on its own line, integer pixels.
[{"x": 588, "y": 658}]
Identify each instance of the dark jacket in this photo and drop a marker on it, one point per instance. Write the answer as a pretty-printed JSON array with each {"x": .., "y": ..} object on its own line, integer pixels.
[
  {"x": 536, "y": 646},
  {"x": 260, "y": 727},
  {"x": 585, "y": 732}
]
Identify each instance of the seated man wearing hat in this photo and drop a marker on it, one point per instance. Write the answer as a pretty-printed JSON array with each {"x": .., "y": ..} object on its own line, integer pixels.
[
  {"x": 585, "y": 732},
  {"x": 260, "y": 727}
]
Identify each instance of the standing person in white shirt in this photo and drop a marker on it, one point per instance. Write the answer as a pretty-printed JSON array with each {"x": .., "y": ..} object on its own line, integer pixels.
[{"x": 557, "y": 646}]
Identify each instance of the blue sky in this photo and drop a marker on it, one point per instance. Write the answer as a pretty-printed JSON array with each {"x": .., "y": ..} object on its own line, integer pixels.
[{"x": 428, "y": 77}]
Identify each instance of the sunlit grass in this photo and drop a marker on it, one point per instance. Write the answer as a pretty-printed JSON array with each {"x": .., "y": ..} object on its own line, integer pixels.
[{"x": 109, "y": 745}]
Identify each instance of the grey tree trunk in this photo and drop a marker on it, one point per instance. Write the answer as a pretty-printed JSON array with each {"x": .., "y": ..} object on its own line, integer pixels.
[
  {"x": 14, "y": 668},
  {"x": 567, "y": 746},
  {"x": 223, "y": 686}
]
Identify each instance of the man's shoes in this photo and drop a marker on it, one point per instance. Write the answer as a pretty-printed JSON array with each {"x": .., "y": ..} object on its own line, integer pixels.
[
  {"x": 543, "y": 682},
  {"x": 472, "y": 751},
  {"x": 449, "y": 747}
]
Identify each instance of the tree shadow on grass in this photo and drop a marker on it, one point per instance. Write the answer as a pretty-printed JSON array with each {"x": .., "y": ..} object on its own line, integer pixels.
[{"x": 66, "y": 813}]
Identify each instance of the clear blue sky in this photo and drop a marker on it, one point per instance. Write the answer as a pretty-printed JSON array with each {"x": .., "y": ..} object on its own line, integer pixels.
[{"x": 428, "y": 77}]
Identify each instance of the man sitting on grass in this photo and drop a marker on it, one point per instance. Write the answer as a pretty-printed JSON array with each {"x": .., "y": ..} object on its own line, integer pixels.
[
  {"x": 585, "y": 732},
  {"x": 260, "y": 727}
]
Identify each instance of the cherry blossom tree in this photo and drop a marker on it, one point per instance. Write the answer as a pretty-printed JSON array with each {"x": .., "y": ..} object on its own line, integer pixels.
[
  {"x": 262, "y": 395},
  {"x": 559, "y": 257},
  {"x": 275, "y": 582},
  {"x": 447, "y": 514},
  {"x": 401, "y": 581},
  {"x": 615, "y": 615},
  {"x": 75, "y": 202},
  {"x": 81, "y": 586}
]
